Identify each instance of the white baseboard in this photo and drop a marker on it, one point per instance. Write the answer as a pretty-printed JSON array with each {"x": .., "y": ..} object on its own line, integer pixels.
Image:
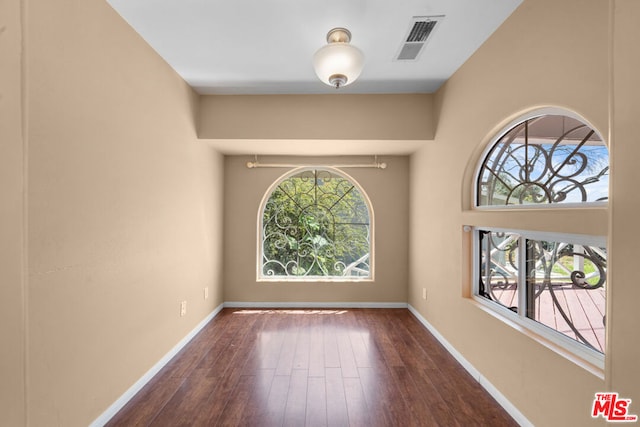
[
  {"x": 122, "y": 400},
  {"x": 242, "y": 304},
  {"x": 491, "y": 389}
]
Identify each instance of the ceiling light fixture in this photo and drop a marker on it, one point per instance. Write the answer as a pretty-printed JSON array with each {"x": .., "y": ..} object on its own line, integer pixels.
[{"x": 338, "y": 63}]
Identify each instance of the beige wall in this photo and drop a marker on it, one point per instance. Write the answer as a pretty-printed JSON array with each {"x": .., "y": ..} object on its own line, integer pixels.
[
  {"x": 337, "y": 117},
  {"x": 12, "y": 325},
  {"x": 124, "y": 216},
  {"x": 624, "y": 319},
  {"x": 388, "y": 191},
  {"x": 547, "y": 53}
]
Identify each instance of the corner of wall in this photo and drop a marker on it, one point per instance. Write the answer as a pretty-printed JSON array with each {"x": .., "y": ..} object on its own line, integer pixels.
[{"x": 13, "y": 164}]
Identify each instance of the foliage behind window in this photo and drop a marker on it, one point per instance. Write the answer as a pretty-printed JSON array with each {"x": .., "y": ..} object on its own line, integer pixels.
[{"x": 315, "y": 224}]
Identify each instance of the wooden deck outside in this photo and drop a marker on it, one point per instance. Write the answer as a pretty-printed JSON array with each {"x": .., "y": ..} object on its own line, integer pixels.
[{"x": 585, "y": 309}]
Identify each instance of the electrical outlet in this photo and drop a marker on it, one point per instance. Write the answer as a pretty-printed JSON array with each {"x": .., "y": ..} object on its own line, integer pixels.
[
  {"x": 424, "y": 293},
  {"x": 206, "y": 292},
  {"x": 183, "y": 308}
]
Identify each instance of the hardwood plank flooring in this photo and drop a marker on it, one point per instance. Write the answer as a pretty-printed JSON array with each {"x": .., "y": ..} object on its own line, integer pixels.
[{"x": 312, "y": 367}]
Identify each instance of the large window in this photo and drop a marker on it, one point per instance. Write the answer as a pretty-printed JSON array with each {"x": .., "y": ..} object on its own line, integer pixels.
[
  {"x": 552, "y": 282},
  {"x": 315, "y": 225}
]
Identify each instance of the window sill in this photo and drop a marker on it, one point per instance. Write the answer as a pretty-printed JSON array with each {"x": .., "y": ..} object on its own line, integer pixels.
[
  {"x": 543, "y": 206},
  {"x": 291, "y": 279}
]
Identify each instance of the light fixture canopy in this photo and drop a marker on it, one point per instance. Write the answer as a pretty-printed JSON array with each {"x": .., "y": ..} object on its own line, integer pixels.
[{"x": 338, "y": 63}]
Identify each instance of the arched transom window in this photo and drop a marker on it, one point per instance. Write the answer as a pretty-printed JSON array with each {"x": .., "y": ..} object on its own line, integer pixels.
[
  {"x": 315, "y": 225},
  {"x": 545, "y": 159}
]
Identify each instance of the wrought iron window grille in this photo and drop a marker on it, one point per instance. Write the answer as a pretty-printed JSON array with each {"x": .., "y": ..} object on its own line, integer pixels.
[
  {"x": 558, "y": 284},
  {"x": 552, "y": 283},
  {"x": 549, "y": 159},
  {"x": 315, "y": 225}
]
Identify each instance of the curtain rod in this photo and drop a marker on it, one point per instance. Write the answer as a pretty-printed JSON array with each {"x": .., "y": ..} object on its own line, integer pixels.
[{"x": 256, "y": 164}]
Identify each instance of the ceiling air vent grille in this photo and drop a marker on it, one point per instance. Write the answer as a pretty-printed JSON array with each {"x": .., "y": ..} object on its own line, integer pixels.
[
  {"x": 421, "y": 28},
  {"x": 421, "y": 31}
]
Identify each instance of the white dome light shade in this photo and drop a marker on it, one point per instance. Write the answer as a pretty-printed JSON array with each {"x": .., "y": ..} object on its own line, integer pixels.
[{"x": 338, "y": 63}]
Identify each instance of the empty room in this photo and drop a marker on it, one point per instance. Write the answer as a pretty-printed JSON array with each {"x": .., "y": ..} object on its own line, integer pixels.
[{"x": 330, "y": 213}]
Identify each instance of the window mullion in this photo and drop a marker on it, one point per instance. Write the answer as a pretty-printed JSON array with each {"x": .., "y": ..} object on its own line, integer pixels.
[{"x": 522, "y": 277}]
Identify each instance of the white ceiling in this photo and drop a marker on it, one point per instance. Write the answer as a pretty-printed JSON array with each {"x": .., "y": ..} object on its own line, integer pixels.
[{"x": 266, "y": 46}]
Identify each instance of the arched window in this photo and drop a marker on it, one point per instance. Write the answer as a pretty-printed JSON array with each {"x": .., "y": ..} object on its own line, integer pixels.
[
  {"x": 545, "y": 159},
  {"x": 550, "y": 281},
  {"x": 315, "y": 224}
]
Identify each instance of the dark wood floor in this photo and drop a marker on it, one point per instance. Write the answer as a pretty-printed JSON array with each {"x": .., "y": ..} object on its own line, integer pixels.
[{"x": 357, "y": 367}]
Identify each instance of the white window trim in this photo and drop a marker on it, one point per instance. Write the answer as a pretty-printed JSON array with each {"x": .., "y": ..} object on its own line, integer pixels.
[
  {"x": 314, "y": 279},
  {"x": 542, "y": 206},
  {"x": 556, "y": 338}
]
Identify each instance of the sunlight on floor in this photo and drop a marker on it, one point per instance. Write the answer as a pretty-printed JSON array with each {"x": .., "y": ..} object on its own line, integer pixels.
[{"x": 290, "y": 311}]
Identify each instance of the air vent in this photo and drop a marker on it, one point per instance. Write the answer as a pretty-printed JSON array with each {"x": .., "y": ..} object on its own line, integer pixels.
[{"x": 420, "y": 30}]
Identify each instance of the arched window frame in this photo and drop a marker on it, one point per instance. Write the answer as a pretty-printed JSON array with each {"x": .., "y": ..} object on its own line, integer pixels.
[
  {"x": 593, "y": 357},
  {"x": 260, "y": 277},
  {"x": 506, "y": 129}
]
